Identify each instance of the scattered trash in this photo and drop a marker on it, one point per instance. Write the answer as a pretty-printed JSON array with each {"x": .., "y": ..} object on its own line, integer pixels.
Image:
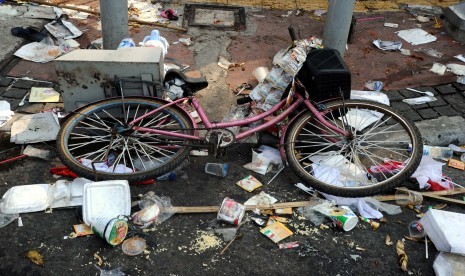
[
  {"x": 445, "y": 230},
  {"x": 416, "y": 36},
  {"x": 438, "y": 68},
  {"x": 457, "y": 69},
  {"x": 457, "y": 149},
  {"x": 374, "y": 96},
  {"x": 449, "y": 264},
  {"x": 403, "y": 258},
  {"x": 460, "y": 57},
  {"x": 231, "y": 211},
  {"x": 444, "y": 153},
  {"x": 388, "y": 240},
  {"x": 218, "y": 169},
  {"x": 429, "y": 51},
  {"x": 428, "y": 93},
  {"x": 107, "y": 200},
  {"x": 145, "y": 11},
  {"x": 374, "y": 224},
  {"x": 419, "y": 100},
  {"x": 319, "y": 12},
  {"x": 134, "y": 246},
  {"x": 112, "y": 230},
  {"x": 388, "y": 45},
  {"x": 374, "y": 85},
  {"x": 288, "y": 245},
  {"x": 6, "y": 219},
  {"x": 262, "y": 158},
  {"x": 429, "y": 175},
  {"x": 289, "y": 13},
  {"x": 98, "y": 258},
  {"x": 42, "y": 52},
  {"x": 5, "y": 112},
  {"x": 186, "y": 41},
  {"x": 35, "y": 152},
  {"x": 35, "y": 257},
  {"x": 228, "y": 233},
  {"x": 405, "y": 52},
  {"x": 68, "y": 45},
  {"x": 249, "y": 183},
  {"x": 225, "y": 64},
  {"x": 261, "y": 199},
  {"x": 260, "y": 73},
  {"x": 29, "y": 33},
  {"x": 343, "y": 215},
  {"x": 111, "y": 272},
  {"x": 236, "y": 113},
  {"x": 456, "y": 164},
  {"x": 154, "y": 210},
  {"x": 169, "y": 14},
  {"x": 82, "y": 230},
  {"x": 236, "y": 237},
  {"x": 63, "y": 29},
  {"x": 391, "y": 25},
  {"x": 199, "y": 152},
  {"x": 360, "y": 204},
  {"x": 155, "y": 40},
  {"x": 406, "y": 197},
  {"x": 416, "y": 229},
  {"x": 276, "y": 232},
  {"x": 422, "y": 19}
]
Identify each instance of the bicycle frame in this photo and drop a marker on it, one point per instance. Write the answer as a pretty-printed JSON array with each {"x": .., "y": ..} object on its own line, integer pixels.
[{"x": 209, "y": 125}]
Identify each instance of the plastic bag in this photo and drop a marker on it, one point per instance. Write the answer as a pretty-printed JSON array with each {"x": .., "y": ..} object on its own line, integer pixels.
[
  {"x": 237, "y": 113},
  {"x": 6, "y": 219},
  {"x": 154, "y": 210}
]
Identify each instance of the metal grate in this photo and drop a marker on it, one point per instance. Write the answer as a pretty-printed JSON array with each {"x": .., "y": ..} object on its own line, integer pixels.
[{"x": 214, "y": 17}]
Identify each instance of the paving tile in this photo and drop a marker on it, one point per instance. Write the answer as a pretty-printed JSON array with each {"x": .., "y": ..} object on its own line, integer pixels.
[
  {"x": 394, "y": 95},
  {"x": 401, "y": 106},
  {"x": 2, "y": 90},
  {"x": 25, "y": 84},
  {"x": 408, "y": 94},
  {"x": 455, "y": 99},
  {"x": 5, "y": 81},
  {"x": 420, "y": 106},
  {"x": 412, "y": 115},
  {"x": 445, "y": 89},
  {"x": 428, "y": 113},
  {"x": 440, "y": 102},
  {"x": 459, "y": 86},
  {"x": 15, "y": 93},
  {"x": 428, "y": 89},
  {"x": 446, "y": 111}
]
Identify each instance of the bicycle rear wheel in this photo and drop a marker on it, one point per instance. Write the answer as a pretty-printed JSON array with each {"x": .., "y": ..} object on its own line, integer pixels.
[
  {"x": 382, "y": 149},
  {"x": 97, "y": 142}
]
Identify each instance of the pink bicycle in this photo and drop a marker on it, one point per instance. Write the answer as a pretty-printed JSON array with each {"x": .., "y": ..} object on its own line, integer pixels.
[{"x": 342, "y": 147}]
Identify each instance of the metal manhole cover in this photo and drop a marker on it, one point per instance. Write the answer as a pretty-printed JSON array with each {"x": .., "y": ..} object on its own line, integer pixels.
[{"x": 213, "y": 16}]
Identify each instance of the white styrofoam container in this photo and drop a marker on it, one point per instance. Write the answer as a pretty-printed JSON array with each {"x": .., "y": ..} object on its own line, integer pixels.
[
  {"x": 25, "y": 199},
  {"x": 106, "y": 199}
]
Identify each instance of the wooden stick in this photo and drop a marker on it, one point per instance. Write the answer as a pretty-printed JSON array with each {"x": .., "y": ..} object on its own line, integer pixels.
[
  {"x": 458, "y": 201},
  {"x": 214, "y": 209},
  {"x": 437, "y": 193},
  {"x": 95, "y": 12}
]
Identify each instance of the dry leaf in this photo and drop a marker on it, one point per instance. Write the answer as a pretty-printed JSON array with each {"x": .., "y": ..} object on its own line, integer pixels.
[
  {"x": 383, "y": 220},
  {"x": 403, "y": 258},
  {"x": 388, "y": 240},
  {"x": 35, "y": 257},
  {"x": 440, "y": 206}
]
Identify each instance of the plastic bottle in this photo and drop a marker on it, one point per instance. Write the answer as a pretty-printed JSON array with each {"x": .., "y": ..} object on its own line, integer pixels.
[
  {"x": 444, "y": 153},
  {"x": 155, "y": 40},
  {"x": 236, "y": 113},
  {"x": 127, "y": 42}
]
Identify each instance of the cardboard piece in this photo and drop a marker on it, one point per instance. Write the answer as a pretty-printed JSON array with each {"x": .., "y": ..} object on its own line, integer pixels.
[
  {"x": 44, "y": 95},
  {"x": 40, "y": 127},
  {"x": 276, "y": 231}
]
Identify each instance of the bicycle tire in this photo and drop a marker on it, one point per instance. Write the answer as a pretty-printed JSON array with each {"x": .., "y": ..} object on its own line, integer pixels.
[
  {"x": 314, "y": 152},
  {"x": 93, "y": 133}
]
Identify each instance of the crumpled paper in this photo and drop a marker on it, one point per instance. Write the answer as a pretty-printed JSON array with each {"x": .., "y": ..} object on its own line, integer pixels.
[
  {"x": 430, "y": 170},
  {"x": 41, "y": 52}
]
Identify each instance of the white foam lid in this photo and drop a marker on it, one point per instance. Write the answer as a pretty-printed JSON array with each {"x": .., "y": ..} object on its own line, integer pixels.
[{"x": 106, "y": 199}]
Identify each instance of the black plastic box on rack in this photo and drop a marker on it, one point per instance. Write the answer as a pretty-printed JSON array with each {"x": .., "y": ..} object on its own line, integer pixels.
[{"x": 325, "y": 74}]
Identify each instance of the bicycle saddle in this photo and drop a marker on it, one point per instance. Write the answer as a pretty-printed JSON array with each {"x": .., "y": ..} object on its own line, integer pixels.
[{"x": 192, "y": 84}]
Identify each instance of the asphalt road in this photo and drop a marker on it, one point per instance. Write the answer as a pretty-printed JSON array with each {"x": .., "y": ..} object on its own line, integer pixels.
[{"x": 186, "y": 244}]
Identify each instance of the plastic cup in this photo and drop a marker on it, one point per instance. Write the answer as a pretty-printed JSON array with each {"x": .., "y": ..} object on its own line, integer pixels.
[
  {"x": 406, "y": 197},
  {"x": 344, "y": 218},
  {"x": 416, "y": 229},
  {"x": 217, "y": 169}
]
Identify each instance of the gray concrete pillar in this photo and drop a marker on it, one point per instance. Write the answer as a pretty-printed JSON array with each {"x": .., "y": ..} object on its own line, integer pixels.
[
  {"x": 337, "y": 24},
  {"x": 114, "y": 17}
]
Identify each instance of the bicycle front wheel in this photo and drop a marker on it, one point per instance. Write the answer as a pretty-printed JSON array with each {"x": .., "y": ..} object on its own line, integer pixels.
[
  {"x": 98, "y": 143},
  {"x": 380, "y": 151}
]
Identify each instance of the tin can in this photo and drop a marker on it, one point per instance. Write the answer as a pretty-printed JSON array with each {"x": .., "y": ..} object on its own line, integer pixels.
[
  {"x": 113, "y": 230},
  {"x": 127, "y": 42}
]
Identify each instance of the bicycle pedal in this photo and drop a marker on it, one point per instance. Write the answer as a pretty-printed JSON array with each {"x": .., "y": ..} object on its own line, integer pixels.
[{"x": 220, "y": 152}]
